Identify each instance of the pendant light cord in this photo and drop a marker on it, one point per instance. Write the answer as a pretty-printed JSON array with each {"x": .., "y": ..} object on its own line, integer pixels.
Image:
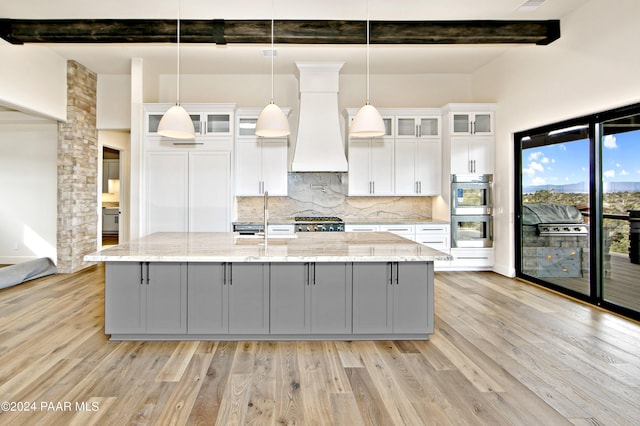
[
  {"x": 273, "y": 52},
  {"x": 178, "y": 55},
  {"x": 368, "y": 102}
]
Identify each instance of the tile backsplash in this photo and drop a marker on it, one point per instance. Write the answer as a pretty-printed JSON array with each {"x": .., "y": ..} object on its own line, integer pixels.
[{"x": 324, "y": 194}]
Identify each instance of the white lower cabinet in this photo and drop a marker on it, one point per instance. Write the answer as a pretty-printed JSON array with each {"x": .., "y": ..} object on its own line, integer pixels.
[
  {"x": 472, "y": 259},
  {"x": 361, "y": 228},
  {"x": 392, "y": 298},
  {"x": 437, "y": 236},
  {"x": 406, "y": 231},
  {"x": 310, "y": 298},
  {"x": 228, "y": 298},
  {"x": 145, "y": 298}
]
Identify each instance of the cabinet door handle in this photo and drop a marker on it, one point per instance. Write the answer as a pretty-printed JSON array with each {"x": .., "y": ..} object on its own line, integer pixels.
[
  {"x": 230, "y": 273},
  {"x": 397, "y": 273},
  {"x": 390, "y": 273},
  {"x": 141, "y": 273},
  {"x": 373, "y": 184},
  {"x": 419, "y": 187},
  {"x": 473, "y": 127},
  {"x": 417, "y": 130},
  {"x": 148, "y": 273},
  {"x": 203, "y": 128},
  {"x": 224, "y": 274}
]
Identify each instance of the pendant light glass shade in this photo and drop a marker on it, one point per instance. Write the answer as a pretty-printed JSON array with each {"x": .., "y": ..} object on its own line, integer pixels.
[
  {"x": 272, "y": 123},
  {"x": 367, "y": 123},
  {"x": 176, "y": 123}
]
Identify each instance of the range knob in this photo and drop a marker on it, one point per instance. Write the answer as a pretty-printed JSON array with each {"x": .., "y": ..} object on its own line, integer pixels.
[
  {"x": 330, "y": 227},
  {"x": 308, "y": 229}
]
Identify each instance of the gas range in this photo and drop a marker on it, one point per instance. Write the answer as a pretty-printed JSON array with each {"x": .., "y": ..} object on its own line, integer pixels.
[{"x": 318, "y": 224}]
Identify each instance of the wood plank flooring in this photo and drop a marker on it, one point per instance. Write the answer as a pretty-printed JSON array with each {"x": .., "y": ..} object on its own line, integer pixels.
[{"x": 503, "y": 352}]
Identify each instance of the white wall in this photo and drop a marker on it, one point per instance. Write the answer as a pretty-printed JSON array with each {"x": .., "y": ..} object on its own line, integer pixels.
[
  {"x": 113, "y": 102},
  {"x": 28, "y": 189},
  {"x": 33, "y": 79},
  {"x": 593, "y": 67}
]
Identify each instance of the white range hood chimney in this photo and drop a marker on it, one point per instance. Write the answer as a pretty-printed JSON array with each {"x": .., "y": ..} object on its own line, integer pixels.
[{"x": 319, "y": 146}]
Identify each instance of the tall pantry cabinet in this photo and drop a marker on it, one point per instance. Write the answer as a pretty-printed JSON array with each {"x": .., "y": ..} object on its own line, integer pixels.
[{"x": 187, "y": 183}]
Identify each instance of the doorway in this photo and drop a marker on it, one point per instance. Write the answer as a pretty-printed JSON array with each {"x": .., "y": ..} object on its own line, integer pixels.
[{"x": 110, "y": 197}]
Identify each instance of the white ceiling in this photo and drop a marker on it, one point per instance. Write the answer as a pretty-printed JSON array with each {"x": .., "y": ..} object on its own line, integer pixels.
[{"x": 239, "y": 59}]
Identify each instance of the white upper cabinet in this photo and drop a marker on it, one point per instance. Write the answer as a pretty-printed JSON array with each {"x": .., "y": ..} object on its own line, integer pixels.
[
  {"x": 469, "y": 137},
  {"x": 417, "y": 127},
  {"x": 418, "y": 167},
  {"x": 209, "y": 120},
  {"x": 260, "y": 163},
  {"x": 371, "y": 166},
  {"x": 472, "y": 123},
  {"x": 418, "y": 154}
]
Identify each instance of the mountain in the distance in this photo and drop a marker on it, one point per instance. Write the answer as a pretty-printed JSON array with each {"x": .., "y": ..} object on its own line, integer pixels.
[{"x": 583, "y": 188}]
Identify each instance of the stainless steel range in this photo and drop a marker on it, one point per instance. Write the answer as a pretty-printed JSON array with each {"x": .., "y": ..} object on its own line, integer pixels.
[{"x": 318, "y": 224}]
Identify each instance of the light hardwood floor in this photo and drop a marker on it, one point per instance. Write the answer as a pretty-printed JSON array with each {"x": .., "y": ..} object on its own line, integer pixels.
[{"x": 503, "y": 352}]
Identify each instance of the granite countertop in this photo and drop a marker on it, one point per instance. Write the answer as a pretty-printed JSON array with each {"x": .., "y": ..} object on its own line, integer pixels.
[
  {"x": 347, "y": 221},
  {"x": 302, "y": 247}
]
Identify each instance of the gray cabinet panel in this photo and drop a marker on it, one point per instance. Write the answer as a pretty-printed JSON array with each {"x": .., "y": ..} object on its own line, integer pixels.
[
  {"x": 142, "y": 297},
  {"x": 207, "y": 298},
  {"x": 412, "y": 295},
  {"x": 331, "y": 298},
  {"x": 124, "y": 298},
  {"x": 289, "y": 298},
  {"x": 167, "y": 298},
  {"x": 372, "y": 298},
  {"x": 249, "y": 298}
]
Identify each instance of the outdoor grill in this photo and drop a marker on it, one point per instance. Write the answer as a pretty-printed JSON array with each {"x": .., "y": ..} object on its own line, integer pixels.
[{"x": 555, "y": 242}]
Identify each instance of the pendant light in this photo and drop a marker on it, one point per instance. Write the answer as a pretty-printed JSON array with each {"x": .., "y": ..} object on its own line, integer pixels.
[
  {"x": 176, "y": 122},
  {"x": 368, "y": 122},
  {"x": 272, "y": 123}
]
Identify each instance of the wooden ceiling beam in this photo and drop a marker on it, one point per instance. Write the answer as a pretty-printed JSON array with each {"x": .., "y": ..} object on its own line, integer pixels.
[{"x": 218, "y": 31}]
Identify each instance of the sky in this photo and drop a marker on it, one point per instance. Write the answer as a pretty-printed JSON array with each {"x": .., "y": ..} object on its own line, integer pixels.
[{"x": 568, "y": 163}]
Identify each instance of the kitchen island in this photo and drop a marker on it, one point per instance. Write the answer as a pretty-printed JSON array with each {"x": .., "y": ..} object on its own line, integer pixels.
[{"x": 308, "y": 286}]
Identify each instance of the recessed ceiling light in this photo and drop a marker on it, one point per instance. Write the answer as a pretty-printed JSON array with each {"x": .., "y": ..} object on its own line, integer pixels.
[{"x": 530, "y": 5}]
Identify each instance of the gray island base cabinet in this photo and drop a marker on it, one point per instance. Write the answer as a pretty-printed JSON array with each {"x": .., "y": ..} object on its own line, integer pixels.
[
  {"x": 308, "y": 286},
  {"x": 269, "y": 301}
]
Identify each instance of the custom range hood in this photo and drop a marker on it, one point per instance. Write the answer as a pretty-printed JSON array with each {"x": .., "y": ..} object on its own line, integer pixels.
[{"x": 319, "y": 146}]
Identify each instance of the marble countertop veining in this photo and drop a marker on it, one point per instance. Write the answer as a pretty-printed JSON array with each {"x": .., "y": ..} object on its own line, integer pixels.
[
  {"x": 303, "y": 247},
  {"x": 348, "y": 221}
]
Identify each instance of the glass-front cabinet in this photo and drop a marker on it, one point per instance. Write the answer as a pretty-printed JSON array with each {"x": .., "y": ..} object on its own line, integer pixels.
[
  {"x": 472, "y": 123},
  {"x": 209, "y": 120},
  {"x": 417, "y": 127}
]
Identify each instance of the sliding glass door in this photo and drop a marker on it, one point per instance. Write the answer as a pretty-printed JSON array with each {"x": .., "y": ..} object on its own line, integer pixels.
[
  {"x": 578, "y": 208},
  {"x": 555, "y": 207},
  {"x": 620, "y": 146}
]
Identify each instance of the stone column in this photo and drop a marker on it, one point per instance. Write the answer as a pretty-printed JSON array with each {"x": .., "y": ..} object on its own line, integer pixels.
[{"x": 77, "y": 171}]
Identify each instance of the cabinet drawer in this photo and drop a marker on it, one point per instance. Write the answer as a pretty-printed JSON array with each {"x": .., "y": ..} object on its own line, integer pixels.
[
  {"x": 433, "y": 229},
  {"x": 438, "y": 242},
  {"x": 399, "y": 229},
  {"x": 281, "y": 229},
  {"x": 472, "y": 257},
  {"x": 362, "y": 228}
]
